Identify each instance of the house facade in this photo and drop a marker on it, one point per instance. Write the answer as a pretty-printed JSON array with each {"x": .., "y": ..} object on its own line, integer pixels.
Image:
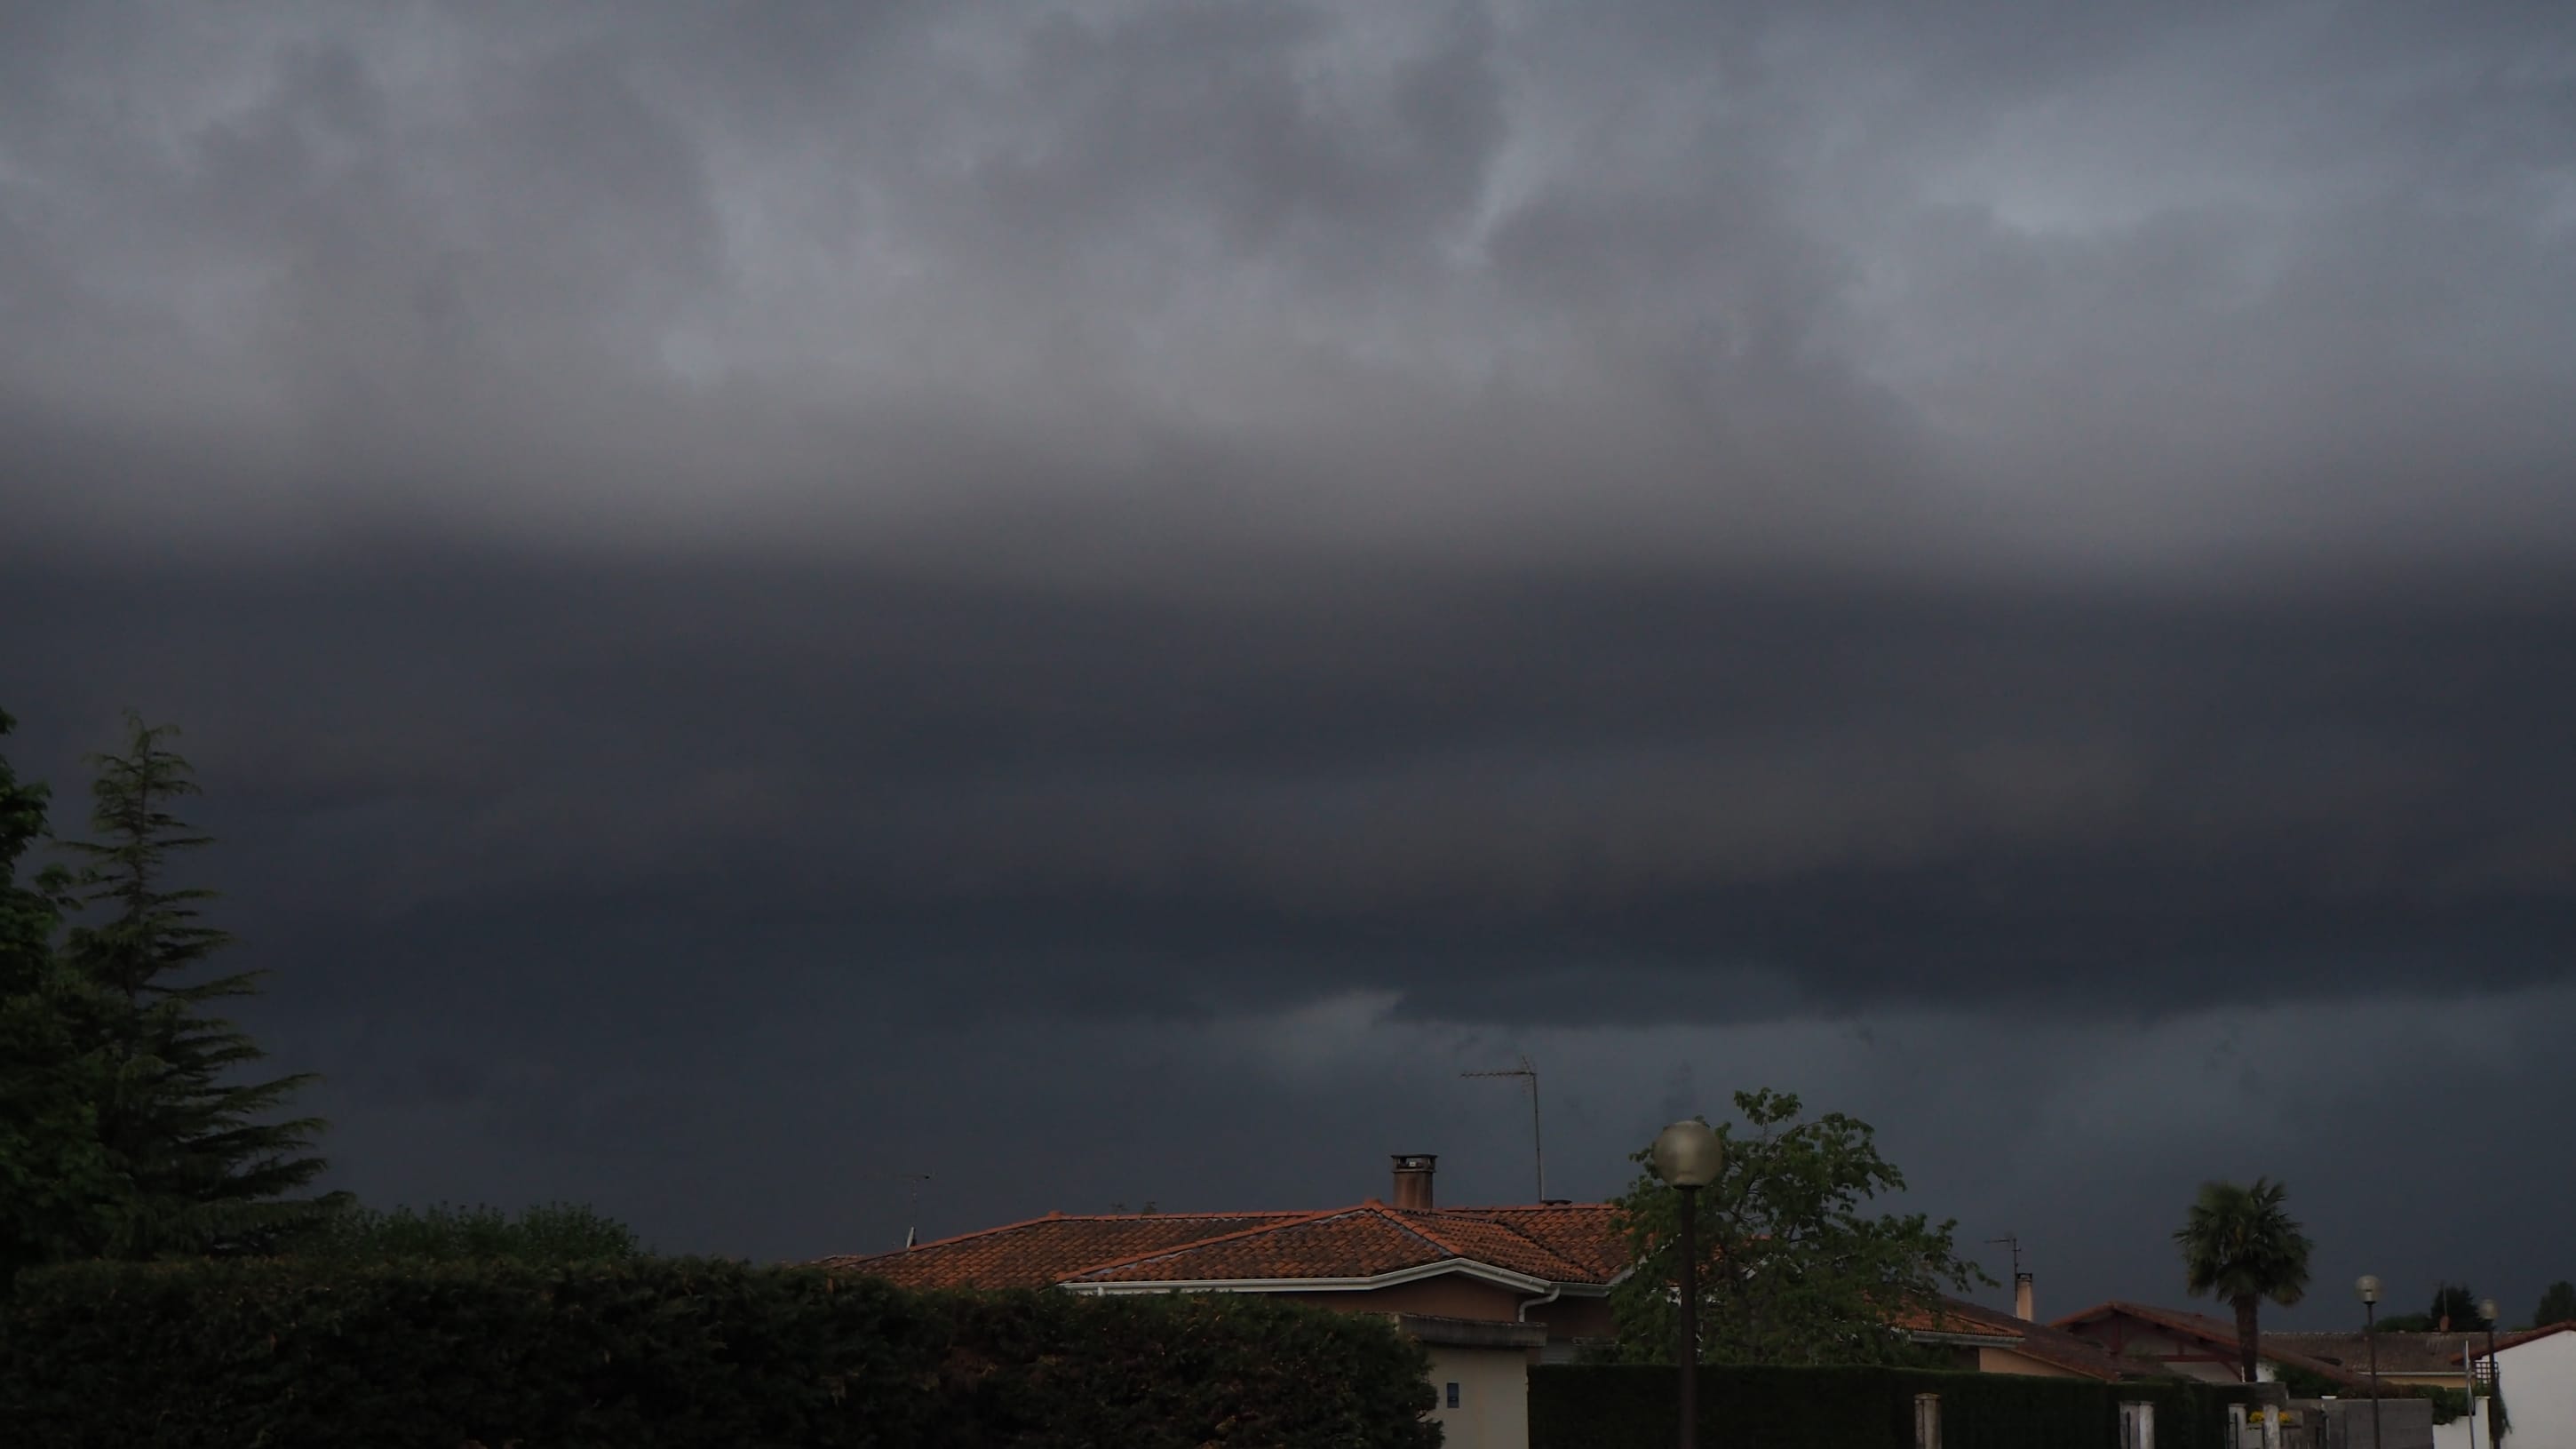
[
  {"x": 2535, "y": 1372},
  {"x": 2403, "y": 1360},
  {"x": 2195, "y": 1345},
  {"x": 1979, "y": 1339},
  {"x": 1486, "y": 1290}
]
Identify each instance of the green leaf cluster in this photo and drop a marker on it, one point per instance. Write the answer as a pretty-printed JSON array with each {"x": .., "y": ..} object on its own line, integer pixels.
[
  {"x": 2240, "y": 1245},
  {"x": 1793, "y": 1267}
]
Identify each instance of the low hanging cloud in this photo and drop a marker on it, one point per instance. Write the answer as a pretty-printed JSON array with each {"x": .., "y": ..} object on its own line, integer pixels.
[{"x": 1080, "y": 802}]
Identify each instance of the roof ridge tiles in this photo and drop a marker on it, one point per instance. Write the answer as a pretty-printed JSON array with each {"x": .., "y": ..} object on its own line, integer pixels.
[
  {"x": 1538, "y": 1249},
  {"x": 1286, "y": 1220},
  {"x": 1401, "y": 1218},
  {"x": 1052, "y": 1216}
]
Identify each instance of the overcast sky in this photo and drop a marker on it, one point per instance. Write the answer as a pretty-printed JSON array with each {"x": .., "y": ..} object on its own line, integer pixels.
[{"x": 1095, "y": 599}]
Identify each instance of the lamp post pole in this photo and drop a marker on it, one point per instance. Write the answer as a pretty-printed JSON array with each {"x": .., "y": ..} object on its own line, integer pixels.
[
  {"x": 2495, "y": 1379},
  {"x": 2368, "y": 1287},
  {"x": 1688, "y": 1155},
  {"x": 1687, "y": 1351}
]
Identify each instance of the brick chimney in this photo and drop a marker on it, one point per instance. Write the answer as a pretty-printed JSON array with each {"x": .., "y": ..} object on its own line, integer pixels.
[
  {"x": 2022, "y": 1308},
  {"x": 1413, "y": 1179}
]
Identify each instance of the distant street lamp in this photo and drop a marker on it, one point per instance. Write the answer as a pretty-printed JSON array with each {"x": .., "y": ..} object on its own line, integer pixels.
[
  {"x": 1688, "y": 1157},
  {"x": 2495, "y": 1376},
  {"x": 2368, "y": 1288}
]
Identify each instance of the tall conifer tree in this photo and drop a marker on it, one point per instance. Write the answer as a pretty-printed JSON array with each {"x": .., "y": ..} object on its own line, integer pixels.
[{"x": 208, "y": 1167}]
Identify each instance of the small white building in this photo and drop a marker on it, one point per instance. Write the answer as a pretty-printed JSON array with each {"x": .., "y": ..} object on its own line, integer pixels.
[{"x": 2536, "y": 1371}]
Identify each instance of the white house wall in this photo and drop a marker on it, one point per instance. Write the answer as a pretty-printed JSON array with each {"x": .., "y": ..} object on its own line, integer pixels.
[
  {"x": 2539, "y": 1380},
  {"x": 1493, "y": 1396}
]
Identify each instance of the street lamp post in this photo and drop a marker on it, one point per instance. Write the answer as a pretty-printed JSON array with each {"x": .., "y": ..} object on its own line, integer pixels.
[
  {"x": 1687, "y": 1156},
  {"x": 2495, "y": 1377},
  {"x": 2368, "y": 1288}
]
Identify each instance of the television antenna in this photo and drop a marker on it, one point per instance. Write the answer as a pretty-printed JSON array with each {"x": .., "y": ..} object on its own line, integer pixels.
[
  {"x": 2012, "y": 1242},
  {"x": 1538, "y": 1153},
  {"x": 912, "y": 1212}
]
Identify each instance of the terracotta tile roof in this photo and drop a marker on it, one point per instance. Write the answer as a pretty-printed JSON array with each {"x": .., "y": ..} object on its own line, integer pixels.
[
  {"x": 1590, "y": 1234},
  {"x": 1359, "y": 1242},
  {"x": 1952, "y": 1315},
  {"x": 2399, "y": 1353},
  {"x": 1509, "y": 1245},
  {"x": 1047, "y": 1250},
  {"x": 2516, "y": 1340},
  {"x": 1558, "y": 1243},
  {"x": 2217, "y": 1333},
  {"x": 2053, "y": 1346}
]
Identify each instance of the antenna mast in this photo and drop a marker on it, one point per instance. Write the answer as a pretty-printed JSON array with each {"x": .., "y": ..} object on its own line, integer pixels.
[
  {"x": 912, "y": 1214},
  {"x": 1538, "y": 1152},
  {"x": 2012, "y": 1241}
]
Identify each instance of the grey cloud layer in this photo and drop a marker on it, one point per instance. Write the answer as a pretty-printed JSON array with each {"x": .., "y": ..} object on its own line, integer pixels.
[
  {"x": 772, "y": 594},
  {"x": 2166, "y": 288},
  {"x": 1788, "y": 797},
  {"x": 1882, "y": 504}
]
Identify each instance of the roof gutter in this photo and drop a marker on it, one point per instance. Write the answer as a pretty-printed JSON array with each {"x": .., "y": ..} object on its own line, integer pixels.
[{"x": 1550, "y": 1296}]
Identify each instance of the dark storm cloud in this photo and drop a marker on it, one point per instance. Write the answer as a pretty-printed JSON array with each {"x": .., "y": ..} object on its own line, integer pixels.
[
  {"x": 780, "y": 594},
  {"x": 1078, "y": 801}
]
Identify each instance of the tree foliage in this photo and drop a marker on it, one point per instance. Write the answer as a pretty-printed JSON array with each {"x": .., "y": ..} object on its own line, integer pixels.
[
  {"x": 126, "y": 1127},
  {"x": 2241, "y": 1246},
  {"x": 55, "y": 1178},
  {"x": 2557, "y": 1305},
  {"x": 1792, "y": 1267},
  {"x": 543, "y": 1234},
  {"x": 29, "y": 912},
  {"x": 2455, "y": 1306}
]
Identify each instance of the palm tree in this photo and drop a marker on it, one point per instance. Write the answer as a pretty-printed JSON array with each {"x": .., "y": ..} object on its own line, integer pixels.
[{"x": 2240, "y": 1246}]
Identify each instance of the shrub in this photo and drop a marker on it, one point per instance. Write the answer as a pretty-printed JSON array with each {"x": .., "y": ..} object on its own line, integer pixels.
[
  {"x": 673, "y": 1354},
  {"x": 544, "y": 1233},
  {"x": 1748, "y": 1407}
]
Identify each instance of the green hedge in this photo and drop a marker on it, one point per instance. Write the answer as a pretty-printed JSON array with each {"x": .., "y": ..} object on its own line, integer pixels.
[
  {"x": 1627, "y": 1406},
  {"x": 674, "y": 1354}
]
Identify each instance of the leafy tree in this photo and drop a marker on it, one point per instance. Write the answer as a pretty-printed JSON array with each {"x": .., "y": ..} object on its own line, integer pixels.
[
  {"x": 28, "y": 914},
  {"x": 1792, "y": 1270},
  {"x": 202, "y": 1168},
  {"x": 546, "y": 1233},
  {"x": 2557, "y": 1304},
  {"x": 2241, "y": 1246},
  {"x": 56, "y": 1180},
  {"x": 2454, "y": 1304}
]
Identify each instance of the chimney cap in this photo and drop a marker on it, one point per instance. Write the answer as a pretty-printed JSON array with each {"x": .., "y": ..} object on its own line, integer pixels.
[{"x": 1413, "y": 1174}]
